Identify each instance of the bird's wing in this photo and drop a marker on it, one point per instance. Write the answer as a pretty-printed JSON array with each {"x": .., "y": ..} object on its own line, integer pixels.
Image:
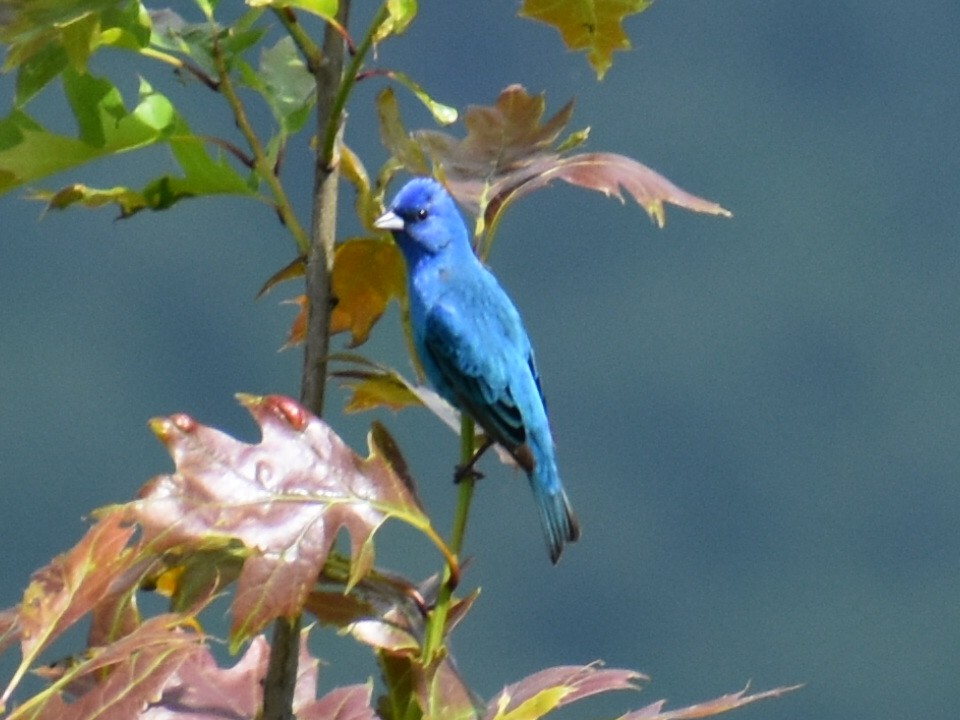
[{"x": 477, "y": 357}]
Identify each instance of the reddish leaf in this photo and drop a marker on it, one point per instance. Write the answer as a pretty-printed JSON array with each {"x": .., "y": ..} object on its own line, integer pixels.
[
  {"x": 119, "y": 680},
  {"x": 595, "y": 26},
  {"x": 71, "y": 585},
  {"x": 654, "y": 711},
  {"x": 201, "y": 689},
  {"x": 285, "y": 498},
  {"x": 345, "y": 703},
  {"x": 510, "y": 151},
  {"x": 549, "y": 689}
]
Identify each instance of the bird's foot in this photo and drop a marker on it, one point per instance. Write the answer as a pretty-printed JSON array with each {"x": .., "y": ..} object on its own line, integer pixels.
[{"x": 466, "y": 472}]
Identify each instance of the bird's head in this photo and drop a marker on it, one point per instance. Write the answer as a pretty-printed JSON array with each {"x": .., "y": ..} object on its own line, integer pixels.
[{"x": 424, "y": 219}]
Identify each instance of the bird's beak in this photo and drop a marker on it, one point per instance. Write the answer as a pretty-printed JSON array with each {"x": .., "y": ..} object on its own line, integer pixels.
[{"x": 389, "y": 221}]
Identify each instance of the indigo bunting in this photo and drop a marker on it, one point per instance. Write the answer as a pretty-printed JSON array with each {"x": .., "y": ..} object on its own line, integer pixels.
[{"x": 472, "y": 344}]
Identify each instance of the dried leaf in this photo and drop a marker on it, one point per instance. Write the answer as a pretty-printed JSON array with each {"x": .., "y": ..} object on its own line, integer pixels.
[
  {"x": 285, "y": 498},
  {"x": 542, "y": 692},
  {"x": 509, "y": 151},
  {"x": 595, "y": 26},
  {"x": 654, "y": 711},
  {"x": 367, "y": 275}
]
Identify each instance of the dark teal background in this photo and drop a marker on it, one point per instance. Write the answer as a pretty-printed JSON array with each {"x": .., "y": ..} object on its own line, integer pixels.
[{"x": 757, "y": 419}]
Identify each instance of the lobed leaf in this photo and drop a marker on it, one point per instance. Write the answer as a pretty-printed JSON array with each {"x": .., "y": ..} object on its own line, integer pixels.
[
  {"x": 367, "y": 274},
  {"x": 69, "y": 29},
  {"x": 285, "y": 498},
  {"x": 593, "y": 26},
  {"x": 510, "y": 150},
  {"x": 71, "y": 586},
  {"x": 731, "y": 701},
  {"x": 118, "y": 680},
  {"x": 550, "y": 689}
]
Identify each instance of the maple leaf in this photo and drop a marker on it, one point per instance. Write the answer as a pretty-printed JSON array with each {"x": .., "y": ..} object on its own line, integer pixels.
[
  {"x": 286, "y": 499},
  {"x": 510, "y": 151}
]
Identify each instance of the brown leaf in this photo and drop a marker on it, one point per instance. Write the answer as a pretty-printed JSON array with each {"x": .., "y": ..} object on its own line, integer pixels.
[
  {"x": 731, "y": 701},
  {"x": 509, "y": 151},
  {"x": 285, "y": 498},
  {"x": 367, "y": 275}
]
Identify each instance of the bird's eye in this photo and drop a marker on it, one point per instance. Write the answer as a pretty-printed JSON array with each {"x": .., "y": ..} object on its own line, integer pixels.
[{"x": 422, "y": 214}]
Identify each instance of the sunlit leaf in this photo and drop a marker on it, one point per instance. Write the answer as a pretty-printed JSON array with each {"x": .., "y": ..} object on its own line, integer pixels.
[
  {"x": 550, "y": 689},
  {"x": 139, "y": 665},
  {"x": 593, "y": 26},
  {"x": 374, "y": 386},
  {"x": 286, "y": 84},
  {"x": 285, "y": 498},
  {"x": 510, "y": 150},
  {"x": 351, "y": 702},
  {"x": 443, "y": 114},
  {"x": 326, "y": 9},
  {"x": 722, "y": 704},
  {"x": 394, "y": 135},
  {"x": 69, "y": 587},
  {"x": 75, "y": 28},
  {"x": 400, "y": 13},
  {"x": 367, "y": 275}
]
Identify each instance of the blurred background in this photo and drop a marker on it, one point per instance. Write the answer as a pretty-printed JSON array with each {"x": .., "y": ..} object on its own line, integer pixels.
[{"x": 757, "y": 419}]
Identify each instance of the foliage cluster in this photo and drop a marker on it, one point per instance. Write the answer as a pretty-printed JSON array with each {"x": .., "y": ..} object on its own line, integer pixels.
[{"x": 257, "y": 523}]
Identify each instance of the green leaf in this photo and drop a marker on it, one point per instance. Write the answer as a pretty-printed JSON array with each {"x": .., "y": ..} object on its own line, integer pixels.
[
  {"x": 593, "y": 26},
  {"x": 286, "y": 84},
  {"x": 37, "y": 71},
  {"x": 400, "y": 13},
  {"x": 394, "y": 135},
  {"x": 75, "y": 27},
  {"x": 29, "y": 152},
  {"x": 443, "y": 114},
  {"x": 327, "y": 9}
]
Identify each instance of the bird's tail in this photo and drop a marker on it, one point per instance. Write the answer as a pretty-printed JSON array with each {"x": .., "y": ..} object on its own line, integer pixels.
[{"x": 556, "y": 515}]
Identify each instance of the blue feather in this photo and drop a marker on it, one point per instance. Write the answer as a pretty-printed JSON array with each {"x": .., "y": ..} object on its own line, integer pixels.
[{"x": 473, "y": 346}]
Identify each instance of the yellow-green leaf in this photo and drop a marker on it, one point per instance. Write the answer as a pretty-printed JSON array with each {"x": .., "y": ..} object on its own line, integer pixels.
[
  {"x": 593, "y": 26},
  {"x": 367, "y": 275}
]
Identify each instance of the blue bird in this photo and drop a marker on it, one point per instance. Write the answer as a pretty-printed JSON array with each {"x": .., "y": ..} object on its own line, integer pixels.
[{"x": 473, "y": 346}]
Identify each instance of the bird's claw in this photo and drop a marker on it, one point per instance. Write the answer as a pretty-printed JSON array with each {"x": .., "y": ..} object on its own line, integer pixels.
[{"x": 466, "y": 472}]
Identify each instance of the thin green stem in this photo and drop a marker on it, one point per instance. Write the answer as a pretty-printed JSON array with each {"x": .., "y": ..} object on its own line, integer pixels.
[
  {"x": 437, "y": 622},
  {"x": 329, "y": 145},
  {"x": 261, "y": 160}
]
